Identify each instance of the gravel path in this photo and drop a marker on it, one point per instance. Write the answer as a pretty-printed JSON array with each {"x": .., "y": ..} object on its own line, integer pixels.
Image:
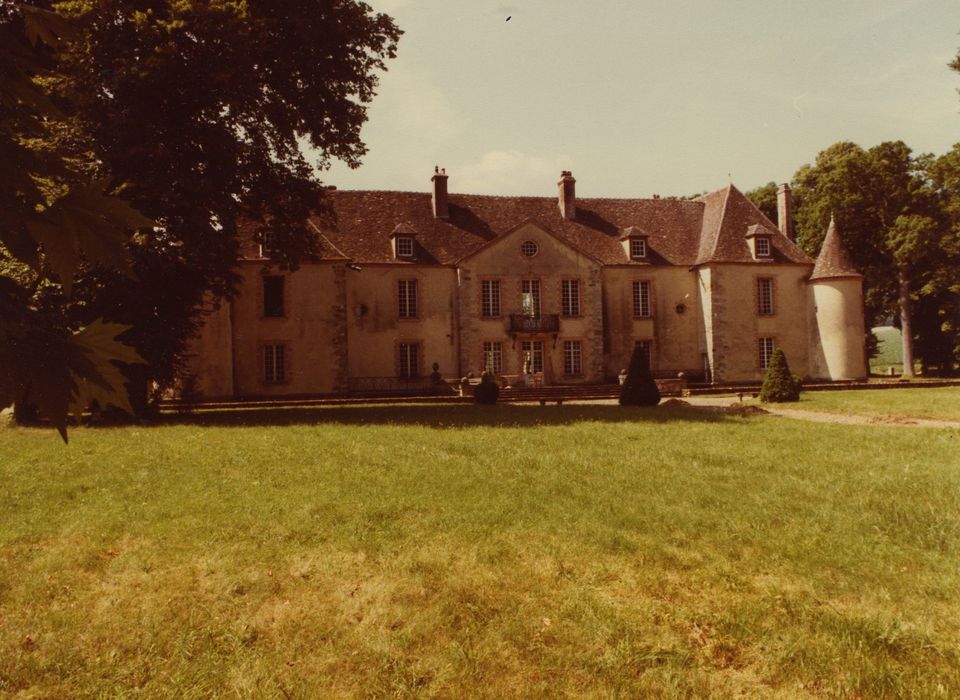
[{"x": 820, "y": 417}]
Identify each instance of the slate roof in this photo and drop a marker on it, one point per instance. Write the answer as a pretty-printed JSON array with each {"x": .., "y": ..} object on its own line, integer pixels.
[
  {"x": 712, "y": 228},
  {"x": 833, "y": 260},
  {"x": 729, "y": 216}
]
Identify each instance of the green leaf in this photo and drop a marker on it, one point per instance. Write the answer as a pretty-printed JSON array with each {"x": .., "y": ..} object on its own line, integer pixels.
[
  {"x": 86, "y": 223},
  {"x": 93, "y": 354}
]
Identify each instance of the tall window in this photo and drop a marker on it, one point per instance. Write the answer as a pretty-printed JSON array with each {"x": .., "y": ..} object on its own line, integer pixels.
[
  {"x": 407, "y": 297},
  {"x": 493, "y": 357},
  {"x": 530, "y": 298},
  {"x": 408, "y": 361},
  {"x": 765, "y": 296},
  {"x": 765, "y": 350},
  {"x": 638, "y": 248},
  {"x": 532, "y": 354},
  {"x": 274, "y": 364},
  {"x": 490, "y": 298},
  {"x": 646, "y": 347},
  {"x": 763, "y": 246},
  {"x": 572, "y": 358},
  {"x": 273, "y": 296},
  {"x": 641, "y": 300},
  {"x": 404, "y": 247},
  {"x": 570, "y": 293}
]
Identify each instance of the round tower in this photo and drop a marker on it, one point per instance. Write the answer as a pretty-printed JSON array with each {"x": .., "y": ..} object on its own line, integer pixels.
[{"x": 837, "y": 290}]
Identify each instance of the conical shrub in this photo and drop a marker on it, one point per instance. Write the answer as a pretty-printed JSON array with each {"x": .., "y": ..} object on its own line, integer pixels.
[
  {"x": 779, "y": 385},
  {"x": 638, "y": 388}
]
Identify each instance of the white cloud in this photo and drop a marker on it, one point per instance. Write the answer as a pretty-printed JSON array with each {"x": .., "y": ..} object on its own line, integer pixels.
[
  {"x": 509, "y": 172},
  {"x": 414, "y": 107}
]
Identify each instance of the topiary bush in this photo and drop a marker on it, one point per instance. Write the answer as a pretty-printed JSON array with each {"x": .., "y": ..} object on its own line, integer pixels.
[
  {"x": 638, "y": 388},
  {"x": 487, "y": 390},
  {"x": 779, "y": 386}
]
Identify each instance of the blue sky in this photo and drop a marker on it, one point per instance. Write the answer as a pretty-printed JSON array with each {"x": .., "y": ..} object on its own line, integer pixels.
[{"x": 643, "y": 97}]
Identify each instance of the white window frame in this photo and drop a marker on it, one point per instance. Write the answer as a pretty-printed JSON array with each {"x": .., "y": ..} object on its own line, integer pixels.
[
  {"x": 275, "y": 368},
  {"x": 404, "y": 246},
  {"x": 490, "y": 298},
  {"x": 570, "y": 297},
  {"x": 765, "y": 304},
  {"x": 493, "y": 356},
  {"x": 765, "y": 349},
  {"x": 572, "y": 358},
  {"x": 642, "y": 307},
  {"x": 638, "y": 248},
  {"x": 407, "y": 293},
  {"x": 762, "y": 242},
  {"x": 408, "y": 360},
  {"x": 531, "y": 287},
  {"x": 535, "y": 348}
]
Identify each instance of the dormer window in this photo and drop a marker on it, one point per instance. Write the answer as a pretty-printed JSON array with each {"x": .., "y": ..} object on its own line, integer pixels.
[
  {"x": 634, "y": 241},
  {"x": 404, "y": 247},
  {"x": 759, "y": 239},
  {"x": 763, "y": 246},
  {"x": 402, "y": 240}
]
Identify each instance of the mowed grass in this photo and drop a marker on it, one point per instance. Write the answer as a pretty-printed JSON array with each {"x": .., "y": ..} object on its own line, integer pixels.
[
  {"x": 889, "y": 350},
  {"x": 941, "y": 403},
  {"x": 459, "y": 551}
]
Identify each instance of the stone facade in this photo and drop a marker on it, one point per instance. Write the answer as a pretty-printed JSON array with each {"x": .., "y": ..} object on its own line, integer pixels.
[{"x": 471, "y": 283}]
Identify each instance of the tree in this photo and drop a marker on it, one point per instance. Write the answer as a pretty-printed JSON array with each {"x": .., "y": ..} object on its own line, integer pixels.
[
  {"x": 639, "y": 388},
  {"x": 883, "y": 200},
  {"x": 765, "y": 199},
  {"x": 779, "y": 386},
  {"x": 53, "y": 214},
  {"x": 198, "y": 111}
]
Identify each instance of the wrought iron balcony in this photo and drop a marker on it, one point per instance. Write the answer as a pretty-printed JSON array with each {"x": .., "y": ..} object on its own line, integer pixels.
[{"x": 547, "y": 323}]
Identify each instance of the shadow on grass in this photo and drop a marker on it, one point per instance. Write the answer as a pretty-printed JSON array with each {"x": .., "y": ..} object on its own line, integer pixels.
[{"x": 443, "y": 416}]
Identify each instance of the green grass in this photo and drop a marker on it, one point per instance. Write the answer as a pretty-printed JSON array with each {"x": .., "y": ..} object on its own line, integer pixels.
[
  {"x": 889, "y": 350},
  {"x": 934, "y": 403},
  {"x": 459, "y": 551}
]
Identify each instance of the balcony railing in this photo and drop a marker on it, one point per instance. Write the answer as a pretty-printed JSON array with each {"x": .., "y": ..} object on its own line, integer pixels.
[{"x": 547, "y": 323}]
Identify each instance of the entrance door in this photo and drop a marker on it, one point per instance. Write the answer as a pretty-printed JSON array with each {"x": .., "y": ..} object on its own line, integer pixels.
[{"x": 532, "y": 358}]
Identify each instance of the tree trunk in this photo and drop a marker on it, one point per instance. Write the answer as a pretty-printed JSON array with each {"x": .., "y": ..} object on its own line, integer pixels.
[{"x": 906, "y": 324}]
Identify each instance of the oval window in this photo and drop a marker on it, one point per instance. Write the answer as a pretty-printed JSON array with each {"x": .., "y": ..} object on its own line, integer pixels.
[
  {"x": 681, "y": 308},
  {"x": 529, "y": 248}
]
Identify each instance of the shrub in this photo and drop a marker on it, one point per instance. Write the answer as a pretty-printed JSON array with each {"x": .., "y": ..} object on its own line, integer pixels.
[
  {"x": 487, "y": 390},
  {"x": 638, "y": 388},
  {"x": 779, "y": 385}
]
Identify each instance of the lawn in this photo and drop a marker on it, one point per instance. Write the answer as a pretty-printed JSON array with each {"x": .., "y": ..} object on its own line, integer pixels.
[
  {"x": 459, "y": 551},
  {"x": 889, "y": 350},
  {"x": 935, "y": 403}
]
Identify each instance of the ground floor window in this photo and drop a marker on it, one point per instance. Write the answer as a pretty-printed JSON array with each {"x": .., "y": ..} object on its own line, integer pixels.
[
  {"x": 572, "y": 358},
  {"x": 765, "y": 352},
  {"x": 532, "y": 355},
  {"x": 408, "y": 360},
  {"x": 493, "y": 357},
  {"x": 274, "y": 363}
]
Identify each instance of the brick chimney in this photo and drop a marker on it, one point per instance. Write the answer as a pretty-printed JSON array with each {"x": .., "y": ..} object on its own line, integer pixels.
[
  {"x": 568, "y": 195},
  {"x": 439, "y": 180},
  {"x": 785, "y": 211}
]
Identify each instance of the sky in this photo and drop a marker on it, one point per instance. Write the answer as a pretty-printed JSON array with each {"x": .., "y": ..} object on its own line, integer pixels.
[{"x": 671, "y": 97}]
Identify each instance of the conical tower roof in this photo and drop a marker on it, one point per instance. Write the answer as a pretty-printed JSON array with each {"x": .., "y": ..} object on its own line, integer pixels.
[{"x": 833, "y": 260}]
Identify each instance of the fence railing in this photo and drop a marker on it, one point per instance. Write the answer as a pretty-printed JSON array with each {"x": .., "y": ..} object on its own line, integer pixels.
[{"x": 548, "y": 323}]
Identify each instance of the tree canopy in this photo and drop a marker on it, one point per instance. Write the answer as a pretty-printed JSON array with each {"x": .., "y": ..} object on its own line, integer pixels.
[
  {"x": 894, "y": 227},
  {"x": 195, "y": 113}
]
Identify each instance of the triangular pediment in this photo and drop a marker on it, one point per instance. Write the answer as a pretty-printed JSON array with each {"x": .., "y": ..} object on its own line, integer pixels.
[{"x": 527, "y": 229}]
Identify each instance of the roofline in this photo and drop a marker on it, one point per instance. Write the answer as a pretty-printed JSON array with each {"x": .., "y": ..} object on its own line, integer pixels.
[{"x": 535, "y": 224}]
